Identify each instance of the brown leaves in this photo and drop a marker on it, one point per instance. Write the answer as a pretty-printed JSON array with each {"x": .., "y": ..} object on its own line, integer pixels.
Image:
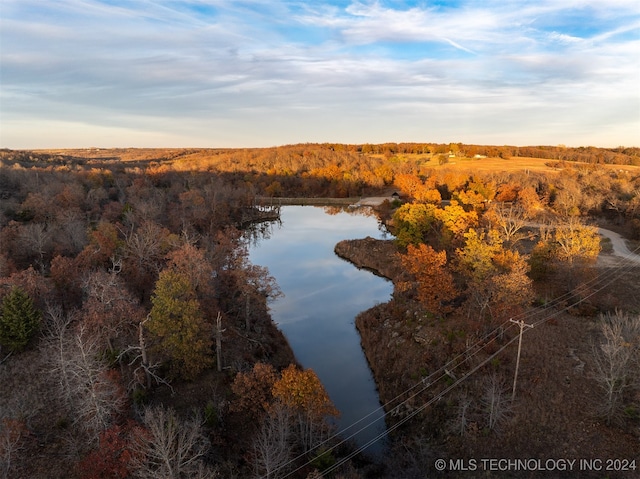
[
  {"x": 253, "y": 389},
  {"x": 435, "y": 285}
]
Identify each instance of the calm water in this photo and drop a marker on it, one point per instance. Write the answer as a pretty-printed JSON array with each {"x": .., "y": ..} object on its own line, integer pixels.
[{"x": 322, "y": 296}]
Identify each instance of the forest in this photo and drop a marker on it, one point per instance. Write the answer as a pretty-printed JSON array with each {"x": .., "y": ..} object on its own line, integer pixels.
[{"x": 136, "y": 340}]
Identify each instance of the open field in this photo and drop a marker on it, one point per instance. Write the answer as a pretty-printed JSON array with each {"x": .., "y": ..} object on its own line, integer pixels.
[
  {"x": 514, "y": 163},
  {"x": 200, "y": 155},
  {"x": 523, "y": 163}
]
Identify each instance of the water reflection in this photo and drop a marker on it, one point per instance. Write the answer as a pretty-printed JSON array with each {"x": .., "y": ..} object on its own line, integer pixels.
[{"x": 322, "y": 296}]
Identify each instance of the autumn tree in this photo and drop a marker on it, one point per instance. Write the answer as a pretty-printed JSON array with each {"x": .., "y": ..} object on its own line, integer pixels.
[
  {"x": 253, "y": 390},
  {"x": 575, "y": 248},
  {"x": 177, "y": 322},
  {"x": 113, "y": 458},
  {"x": 530, "y": 202},
  {"x": 414, "y": 187},
  {"x": 192, "y": 262},
  {"x": 453, "y": 222},
  {"x": 66, "y": 276},
  {"x": 486, "y": 188},
  {"x": 409, "y": 184},
  {"x": 305, "y": 396},
  {"x": 19, "y": 320},
  {"x": 497, "y": 280},
  {"x": 435, "y": 286},
  {"x": 104, "y": 245},
  {"x": 471, "y": 199},
  {"x": 475, "y": 260},
  {"x": 511, "y": 288},
  {"x": 508, "y": 192},
  {"x": 577, "y": 242}
]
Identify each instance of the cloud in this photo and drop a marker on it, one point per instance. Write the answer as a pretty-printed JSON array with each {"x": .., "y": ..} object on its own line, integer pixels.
[{"x": 225, "y": 73}]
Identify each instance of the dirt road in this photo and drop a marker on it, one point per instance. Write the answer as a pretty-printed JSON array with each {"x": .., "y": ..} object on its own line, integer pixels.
[{"x": 619, "y": 245}]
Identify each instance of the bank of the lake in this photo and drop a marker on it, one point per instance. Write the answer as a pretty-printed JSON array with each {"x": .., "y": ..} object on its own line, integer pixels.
[{"x": 376, "y": 255}]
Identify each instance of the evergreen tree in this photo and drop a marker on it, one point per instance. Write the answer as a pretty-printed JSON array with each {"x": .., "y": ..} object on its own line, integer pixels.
[{"x": 19, "y": 320}]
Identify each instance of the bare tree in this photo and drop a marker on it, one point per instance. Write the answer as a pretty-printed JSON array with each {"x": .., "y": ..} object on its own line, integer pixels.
[
  {"x": 256, "y": 282},
  {"x": 509, "y": 221},
  {"x": 12, "y": 433},
  {"x": 170, "y": 447},
  {"x": 147, "y": 245},
  {"x": 464, "y": 411},
  {"x": 110, "y": 309},
  {"x": 70, "y": 232},
  {"x": 616, "y": 359},
  {"x": 98, "y": 394},
  {"x": 495, "y": 401},
  {"x": 145, "y": 372},
  {"x": 57, "y": 329},
  {"x": 273, "y": 443},
  {"x": 36, "y": 238},
  {"x": 88, "y": 388}
]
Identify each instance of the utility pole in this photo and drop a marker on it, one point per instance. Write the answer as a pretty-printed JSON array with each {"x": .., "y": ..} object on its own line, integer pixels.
[{"x": 522, "y": 325}]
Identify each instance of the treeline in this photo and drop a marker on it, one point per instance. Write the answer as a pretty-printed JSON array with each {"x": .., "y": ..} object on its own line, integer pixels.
[{"x": 310, "y": 170}]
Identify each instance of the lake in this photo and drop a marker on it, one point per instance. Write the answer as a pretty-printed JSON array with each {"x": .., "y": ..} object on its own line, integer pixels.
[{"x": 322, "y": 296}]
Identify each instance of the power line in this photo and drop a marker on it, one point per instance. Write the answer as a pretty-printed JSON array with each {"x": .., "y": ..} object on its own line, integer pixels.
[
  {"x": 449, "y": 388},
  {"x": 600, "y": 282}
]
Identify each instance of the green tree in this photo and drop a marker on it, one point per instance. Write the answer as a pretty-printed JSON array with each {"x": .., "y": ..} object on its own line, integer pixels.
[
  {"x": 413, "y": 221},
  {"x": 19, "y": 320},
  {"x": 176, "y": 320}
]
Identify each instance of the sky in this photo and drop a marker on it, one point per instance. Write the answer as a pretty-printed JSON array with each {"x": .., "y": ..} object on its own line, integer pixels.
[{"x": 258, "y": 73}]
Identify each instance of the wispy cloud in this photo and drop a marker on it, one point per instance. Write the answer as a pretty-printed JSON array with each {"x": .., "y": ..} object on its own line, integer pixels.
[{"x": 227, "y": 73}]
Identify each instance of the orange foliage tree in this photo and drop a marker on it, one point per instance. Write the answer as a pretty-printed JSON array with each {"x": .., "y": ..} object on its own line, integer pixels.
[
  {"x": 113, "y": 457},
  {"x": 254, "y": 390},
  {"x": 304, "y": 395},
  {"x": 435, "y": 287},
  {"x": 453, "y": 222}
]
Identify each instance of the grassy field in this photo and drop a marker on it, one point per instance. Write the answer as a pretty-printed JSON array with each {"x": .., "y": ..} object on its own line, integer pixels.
[
  {"x": 199, "y": 156},
  {"x": 514, "y": 163}
]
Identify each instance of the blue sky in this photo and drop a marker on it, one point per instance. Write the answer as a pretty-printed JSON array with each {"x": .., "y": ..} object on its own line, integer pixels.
[{"x": 218, "y": 73}]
